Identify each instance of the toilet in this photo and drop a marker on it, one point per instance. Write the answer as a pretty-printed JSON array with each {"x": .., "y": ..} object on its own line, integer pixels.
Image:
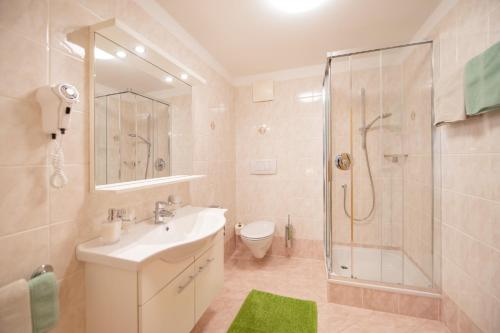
[{"x": 258, "y": 237}]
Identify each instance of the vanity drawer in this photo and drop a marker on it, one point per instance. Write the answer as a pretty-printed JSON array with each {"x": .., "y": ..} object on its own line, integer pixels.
[
  {"x": 157, "y": 274},
  {"x": 209, "y": 269},
  {"x": 171, "y": 310}
]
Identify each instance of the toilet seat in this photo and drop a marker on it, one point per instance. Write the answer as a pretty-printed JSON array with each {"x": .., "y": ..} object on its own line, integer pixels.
[{"x": 258, "y": 230}]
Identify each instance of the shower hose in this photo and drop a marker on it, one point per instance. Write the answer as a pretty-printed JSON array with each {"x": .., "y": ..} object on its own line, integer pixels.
[{"x": 372, "y": 185}]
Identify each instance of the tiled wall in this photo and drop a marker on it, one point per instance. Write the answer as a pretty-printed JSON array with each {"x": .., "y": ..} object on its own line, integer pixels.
[
  {"x": 41, "y": 225},
  {"x": 471, "y": 182},
  {"x": 294, "y": 139}
]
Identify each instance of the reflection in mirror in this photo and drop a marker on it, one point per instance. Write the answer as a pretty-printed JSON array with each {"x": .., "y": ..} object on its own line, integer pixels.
[{"x": 142, "y": 118}]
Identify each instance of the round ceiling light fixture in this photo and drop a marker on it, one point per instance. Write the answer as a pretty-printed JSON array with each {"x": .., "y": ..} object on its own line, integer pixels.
[{"x": 296, "y": 6}]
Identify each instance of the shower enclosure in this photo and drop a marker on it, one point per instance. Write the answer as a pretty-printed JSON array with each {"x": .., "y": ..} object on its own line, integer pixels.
[
  {"x": 380, "y": 223},
  {"x": 132, "y": 139}
]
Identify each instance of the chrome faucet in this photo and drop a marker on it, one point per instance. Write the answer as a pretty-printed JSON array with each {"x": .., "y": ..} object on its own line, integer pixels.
[{"x": 162, "y": 213}]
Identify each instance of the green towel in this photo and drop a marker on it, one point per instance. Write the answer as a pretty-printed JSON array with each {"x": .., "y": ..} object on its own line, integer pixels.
[
  {"x": 44, "y": 302},
  {"x": 482, "y": 82}
]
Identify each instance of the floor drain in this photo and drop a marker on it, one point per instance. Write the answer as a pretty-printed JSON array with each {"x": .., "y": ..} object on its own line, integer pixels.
[{"x": 344, "y": 267}]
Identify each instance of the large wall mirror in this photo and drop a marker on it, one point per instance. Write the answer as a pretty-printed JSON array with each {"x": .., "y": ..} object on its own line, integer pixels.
[{"x": 142, "y": 123}]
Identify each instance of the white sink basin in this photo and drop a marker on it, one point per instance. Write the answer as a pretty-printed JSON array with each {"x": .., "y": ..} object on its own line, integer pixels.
[{"x": 181, "y": 237}]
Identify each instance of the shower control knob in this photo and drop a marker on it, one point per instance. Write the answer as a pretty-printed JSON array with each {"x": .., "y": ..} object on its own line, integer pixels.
[
  {"x": 343, "y": 161},
  {"x": 160, "y": 164}
]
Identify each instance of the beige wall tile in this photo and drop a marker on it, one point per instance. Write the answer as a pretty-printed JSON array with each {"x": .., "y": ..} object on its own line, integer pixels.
[
  {"x": 449, "y": 313},
  {"x": 22, "y": 128},
  {"x": 64, "y": 237},
  {"x": 72, "y": 201},
  {"x": 76, "y": 140},
  {"x": 27, "y": 18},
  {"x": 24, "y": 201},
  {"x": 470, "y": 196},
  {"x": 22, "y": 253},
  {"x": 23, "y": 65},
  {"x": 423, "y": 307}
]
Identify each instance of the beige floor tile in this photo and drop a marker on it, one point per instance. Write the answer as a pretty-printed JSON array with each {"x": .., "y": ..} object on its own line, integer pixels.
[{"x": 300, "y": 278}]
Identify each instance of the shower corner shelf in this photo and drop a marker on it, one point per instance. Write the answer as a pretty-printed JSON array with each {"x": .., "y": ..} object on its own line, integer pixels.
[{"x": 146, "y": 184}]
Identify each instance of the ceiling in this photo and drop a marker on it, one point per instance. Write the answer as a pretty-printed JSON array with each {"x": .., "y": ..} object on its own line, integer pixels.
[{"x": 249, "y": 37}]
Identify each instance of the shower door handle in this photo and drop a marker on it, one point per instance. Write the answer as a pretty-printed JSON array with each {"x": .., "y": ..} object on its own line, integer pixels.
[{"x": 343, "y": 161}]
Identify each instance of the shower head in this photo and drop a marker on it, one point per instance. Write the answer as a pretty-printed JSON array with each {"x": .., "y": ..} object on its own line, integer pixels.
[{"x": 133, "y": 135}]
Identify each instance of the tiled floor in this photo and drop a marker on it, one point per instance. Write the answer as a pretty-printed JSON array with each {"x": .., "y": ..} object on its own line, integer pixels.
[{"x": 301, "y": 278}]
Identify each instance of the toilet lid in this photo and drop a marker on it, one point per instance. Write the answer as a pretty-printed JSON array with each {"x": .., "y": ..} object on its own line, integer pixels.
[{"x": 259, "y": 229}]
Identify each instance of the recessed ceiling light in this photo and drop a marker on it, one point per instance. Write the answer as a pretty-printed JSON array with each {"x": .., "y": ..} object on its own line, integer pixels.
[
  {"x": 184, "y": 76},
  {"x": 121, "y": 54},
  {"x": 296, "y": 6},
  {"x": 103, "y": 55},
  {"x": 169, "y": 79},
  {"x": 140, "y": 49}
]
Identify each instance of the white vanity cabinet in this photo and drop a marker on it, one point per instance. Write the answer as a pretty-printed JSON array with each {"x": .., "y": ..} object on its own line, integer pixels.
[
  {"x": 162, "y": 297},
  {"x": 209, "y": 280}
]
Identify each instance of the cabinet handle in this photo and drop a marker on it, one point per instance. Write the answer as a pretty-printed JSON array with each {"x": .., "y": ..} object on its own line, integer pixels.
[
  {"x": 183, "y": 286},
  {"x": 208, "y": 261}
]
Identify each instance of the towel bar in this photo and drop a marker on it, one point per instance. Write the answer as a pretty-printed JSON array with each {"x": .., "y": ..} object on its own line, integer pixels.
[{"x": 41, "y": 270}]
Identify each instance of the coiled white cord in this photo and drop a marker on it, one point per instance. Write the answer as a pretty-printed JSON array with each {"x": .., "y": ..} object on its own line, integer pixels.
[{"x": 58, "y": 178}]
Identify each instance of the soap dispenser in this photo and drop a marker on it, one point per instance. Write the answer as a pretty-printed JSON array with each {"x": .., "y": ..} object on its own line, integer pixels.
[{"x": 111, "y": 229}]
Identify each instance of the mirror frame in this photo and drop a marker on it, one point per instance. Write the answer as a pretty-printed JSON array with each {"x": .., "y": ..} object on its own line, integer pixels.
[{"x": 126, "y": 37}]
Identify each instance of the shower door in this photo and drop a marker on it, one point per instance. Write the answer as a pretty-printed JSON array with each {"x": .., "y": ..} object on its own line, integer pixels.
[
  {"x": 338, "y": 165},
  {"x": 378, "y": 166}
]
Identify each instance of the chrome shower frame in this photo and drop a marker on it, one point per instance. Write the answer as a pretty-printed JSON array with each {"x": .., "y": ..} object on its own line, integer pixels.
[{"x": 328, "y": 158}]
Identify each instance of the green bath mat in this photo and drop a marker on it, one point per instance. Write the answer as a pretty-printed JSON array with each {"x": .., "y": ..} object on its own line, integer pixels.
[{"x": 268, "y": 313}]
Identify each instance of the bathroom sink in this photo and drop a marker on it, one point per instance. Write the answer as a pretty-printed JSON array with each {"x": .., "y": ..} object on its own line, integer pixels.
[{"x": 183, "y": 236}]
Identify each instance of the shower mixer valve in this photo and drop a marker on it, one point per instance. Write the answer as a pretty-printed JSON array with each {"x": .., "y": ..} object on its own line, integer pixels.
[{"x": 343, "y": 161}]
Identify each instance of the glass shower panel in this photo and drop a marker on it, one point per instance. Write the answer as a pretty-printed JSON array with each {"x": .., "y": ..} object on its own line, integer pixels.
[
  {"x": 417, "y": 168},
  {"x": 341, "y": 142},
  {"x": 380, "y": 109},
  {"x": 392, "y": 161},
  {"x": 367, "y": 181},
  {"x": 327, "y": 168}
]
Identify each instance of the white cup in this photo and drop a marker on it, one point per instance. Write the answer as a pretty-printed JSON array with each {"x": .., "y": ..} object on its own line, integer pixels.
[{"x": 110, "y": 232}]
